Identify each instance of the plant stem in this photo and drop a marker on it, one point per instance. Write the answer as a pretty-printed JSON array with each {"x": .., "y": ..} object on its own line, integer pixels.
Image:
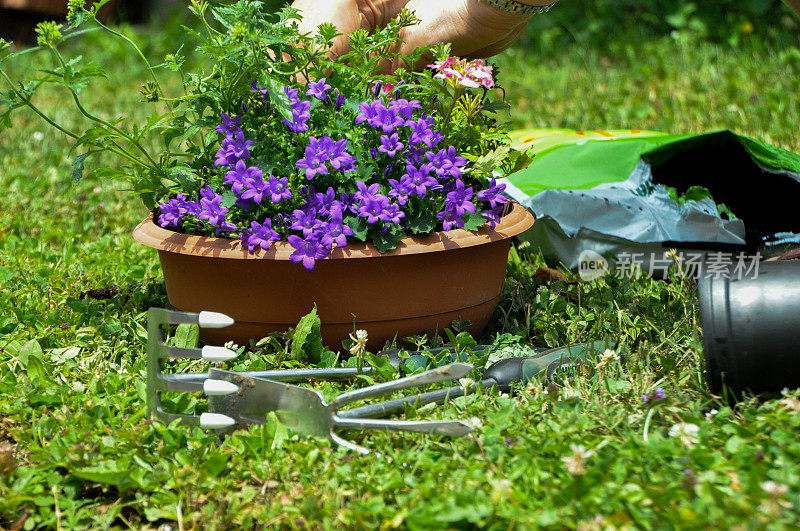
[
  {"x": 123, "y": 134},
  {"x": 139, "y": 51},
  {"x": 35, "y": 109}
]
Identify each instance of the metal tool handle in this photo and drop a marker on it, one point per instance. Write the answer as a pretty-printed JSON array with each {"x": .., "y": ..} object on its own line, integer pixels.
[
  {"x": 450, "y": 428},
  {"x": 440, "y": 374},
  {"x": 390, "y": 407}
]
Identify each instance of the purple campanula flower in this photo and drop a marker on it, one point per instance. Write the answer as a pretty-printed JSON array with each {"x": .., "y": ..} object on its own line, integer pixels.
[
  {"x": 493, "y": 194},
  {"x": 415, "y": 155},
  {"x": 657, "y": 394},
  {"x": 420, "y": 178},
  {"x": 387, "y": 119},
  {"x": 306, "y": 221},
  {"x": 314, "y": 162},
  {"x": 225, "y": 226},
  {"x": 493, "y": 215},
  {"x": 366, "y": 193},
  {"x": 405, "y": 108},
  {"x": 459, "y": 200},
  {"x": 450, "y": 219},
  {"x": 421, "y": 132},
  {"x": 307, "y": 250},
  {"x": 172, "y": 211},
  {"x": 324, "y": 202},
  {"x": 402, "y": 189},
  {"x": 300, "y": 115},
  {"x": 212, "y": 211},
  {"x": 264, "y": 92},
  {"x": 392, "y": 214},
  {"x": 349, "y": 202},
  {"x": 339, "y": 101},
  {"x": 367, "y": 112},
  {"x": 256, "y": 189},
  {"x": 241, "y": 176},
  {"x": 291, "y": 93},
  {"x": 229, "y": 125},
  {"x": 278, "y": 189},
  {"x": 207, "y": 193},
  {"x": 390, "y": 144},
  {"x": 259, "y": 235},
  {"x": 234, "y": 148},
  {"x": 376, "y": 88},
  {"x": 335, "y": 231},
  {"x": 446, "y": 162},
  {"x": 306, "y": 191},
  {"x": 434, "y": 138},
  {"x": 373, "y": 208},
  {"x": 338, "y": 155},
  {"x": 317, "y": 89}
]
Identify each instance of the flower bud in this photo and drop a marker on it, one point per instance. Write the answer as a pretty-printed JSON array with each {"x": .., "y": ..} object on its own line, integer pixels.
[{"x": 49, "y": 33}]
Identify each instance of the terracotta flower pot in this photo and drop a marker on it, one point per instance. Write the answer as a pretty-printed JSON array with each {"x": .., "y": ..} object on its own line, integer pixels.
[{"x": 421, "y": 286}]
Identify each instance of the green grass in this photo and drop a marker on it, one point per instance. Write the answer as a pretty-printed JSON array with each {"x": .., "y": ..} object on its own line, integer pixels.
[{"x": 78, "y": 451}]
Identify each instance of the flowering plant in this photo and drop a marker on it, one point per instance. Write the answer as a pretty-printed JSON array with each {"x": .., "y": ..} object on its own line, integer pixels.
[{"x": 274, "y": 140}]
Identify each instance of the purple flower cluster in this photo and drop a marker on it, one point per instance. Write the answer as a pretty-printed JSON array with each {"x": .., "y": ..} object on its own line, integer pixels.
[
  {"x": 300, "y": 114},
  {"x": 658, "y": 394},
  {"x": 318, "y": 152},
  {"x": 413, "y": 170},
  {"x": 415, "y": 140},
  {"x": 320, "y": 221}
]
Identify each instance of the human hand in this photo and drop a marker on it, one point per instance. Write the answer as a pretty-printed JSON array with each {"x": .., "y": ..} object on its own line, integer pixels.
[{"x": 474, "y": 29}]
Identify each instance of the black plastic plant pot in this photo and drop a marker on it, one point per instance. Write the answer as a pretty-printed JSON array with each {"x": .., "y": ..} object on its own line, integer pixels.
[{"x": 751, "y": 329}]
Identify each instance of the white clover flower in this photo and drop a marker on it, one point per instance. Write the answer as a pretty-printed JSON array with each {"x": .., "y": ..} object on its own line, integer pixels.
[
  {"x": 710, "y": 414},
  {"x": 776, "y": 492},
  {"x": 606, "y": 358},
  {"x": 360, "y": 345},
  {"x": 789, "y": 402},
  {"x": 575, "y": 463},
  {"x": 474, "y": 422},
  {"x": 78, "y": 386},
  {"x": 774, "y": 489},
  {"x": 686, "y": 432},
  {"x": 466, "y": 383},
  {"x": 38, "y": 136}
]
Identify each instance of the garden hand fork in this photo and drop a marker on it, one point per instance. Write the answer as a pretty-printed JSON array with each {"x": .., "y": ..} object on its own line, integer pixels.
[{"x": 240, "y": 398}]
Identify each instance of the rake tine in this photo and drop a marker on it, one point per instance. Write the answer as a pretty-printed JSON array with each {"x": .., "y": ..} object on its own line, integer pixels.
[
  {"x": 450, "y": 428},
  {"x": 207, "y": 353},
  {"x": 347, "y": 444}
]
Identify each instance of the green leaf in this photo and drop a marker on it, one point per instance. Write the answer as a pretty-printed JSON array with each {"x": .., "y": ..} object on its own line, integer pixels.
[
  {"x": 77, "y": 168},
  {"x": 423, "y": 223},
  {"x": 307, "y": 341},
  {"x": 278, "y": 97},
  {"x": 31, "y": 357},
  {"x": 473, "y": 221},
  {"x": 187, "y": 335},
  {"x": 359, "y": 226},
  {"x": 388, "y": 241},
  {"x": 216, "y": 463},
  {"x": 228, "y": 199},
  {"x": 109, "y": 473},
  {"x": 276, "y": 431},
  {"x": 382, "y": 365}
]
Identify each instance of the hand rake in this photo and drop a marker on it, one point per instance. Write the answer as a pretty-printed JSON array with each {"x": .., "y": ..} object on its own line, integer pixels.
[{"x": 240, "y": 398}]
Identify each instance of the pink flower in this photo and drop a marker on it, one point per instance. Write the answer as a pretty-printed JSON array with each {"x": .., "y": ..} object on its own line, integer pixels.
[{"x": 472, "y": 74}]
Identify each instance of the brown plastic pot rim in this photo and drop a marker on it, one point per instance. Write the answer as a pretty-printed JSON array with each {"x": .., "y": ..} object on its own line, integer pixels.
[{"x": 517, "y": 221}]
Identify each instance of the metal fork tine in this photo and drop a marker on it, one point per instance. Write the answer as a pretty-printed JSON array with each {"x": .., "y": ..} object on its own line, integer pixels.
[
  {"x": 450, "y": 428},
  {"x": 440, "y": 374}
]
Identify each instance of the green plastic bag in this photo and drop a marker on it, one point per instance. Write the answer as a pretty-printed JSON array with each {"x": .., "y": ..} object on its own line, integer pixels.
[{"x": 623, "y": 192}]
